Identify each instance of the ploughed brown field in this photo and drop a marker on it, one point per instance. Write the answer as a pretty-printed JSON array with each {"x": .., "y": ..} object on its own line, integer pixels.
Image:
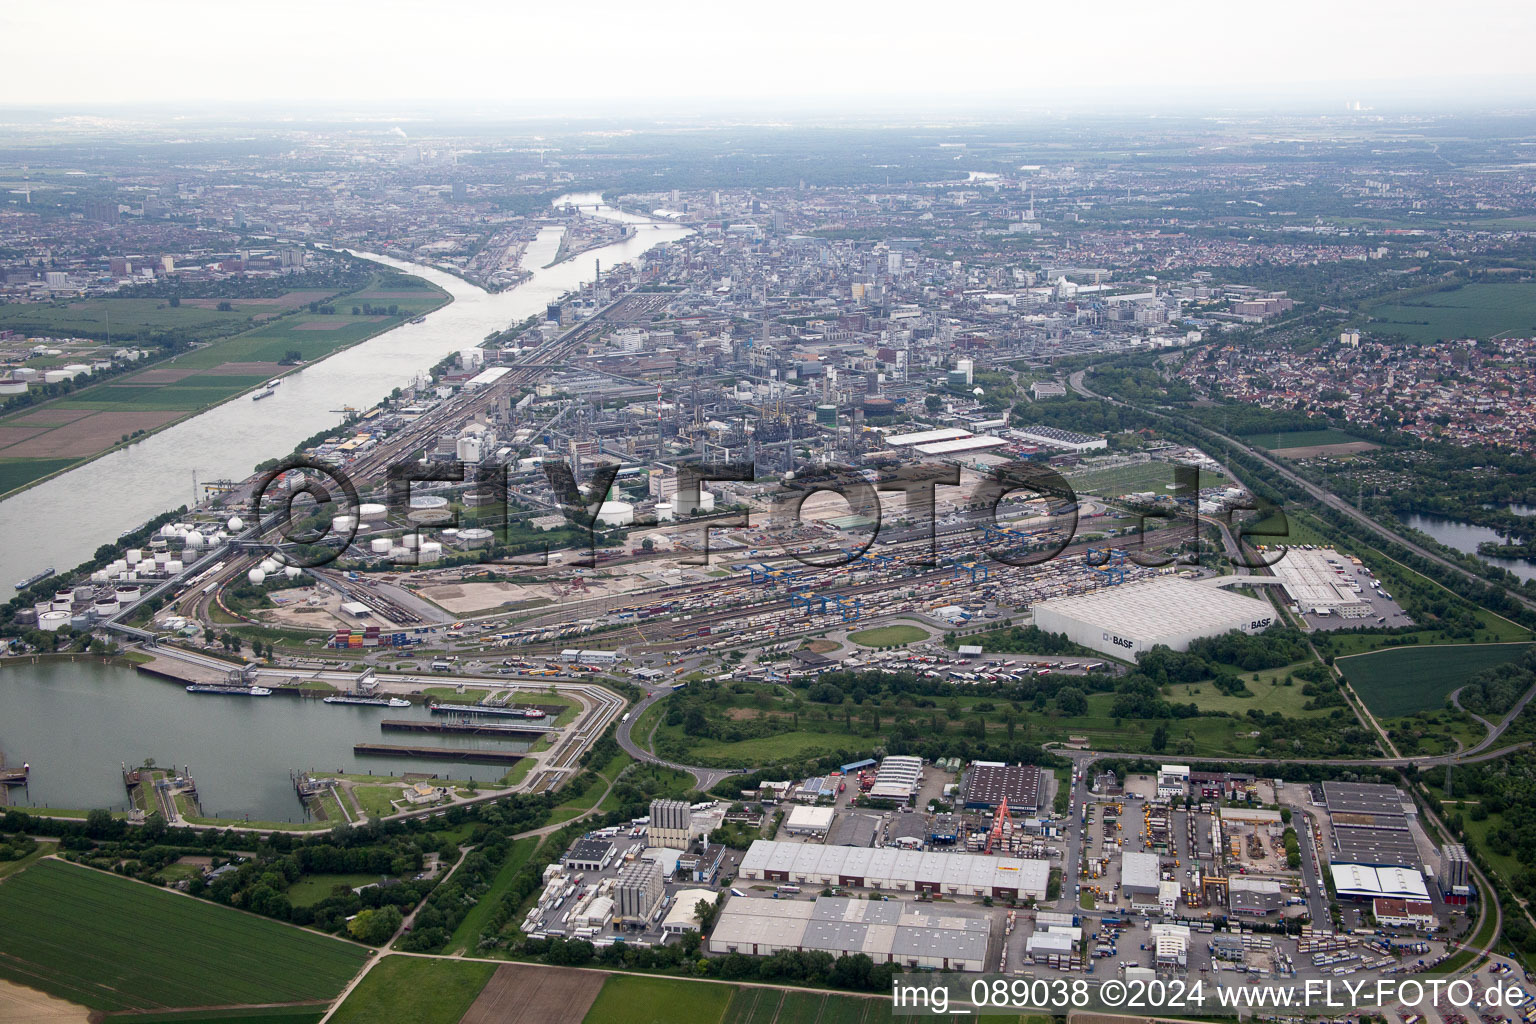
[{"x": 529, "y": 994}]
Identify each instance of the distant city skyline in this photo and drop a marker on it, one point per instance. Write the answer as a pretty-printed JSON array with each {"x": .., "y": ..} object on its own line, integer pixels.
[{"x": 696, "y": 58}]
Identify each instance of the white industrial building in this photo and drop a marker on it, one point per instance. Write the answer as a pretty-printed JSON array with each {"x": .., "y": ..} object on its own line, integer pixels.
[
  {"x": 1140, "y": 874},
  {"x": 1318, "y": 583},
  {"x": 809, "y": 821},
  {"x": 682, "y": 914},
  {"x": 934, "y": 937},
  {"x": 954, "y": 874},
  {"x": 1065, "y": 439},
  {"x": 926, "y": 437},
  {"x": 1364, "y": 882},
  {"x": 1132, "y": 618},
  {"x": 899, "y": 777}
]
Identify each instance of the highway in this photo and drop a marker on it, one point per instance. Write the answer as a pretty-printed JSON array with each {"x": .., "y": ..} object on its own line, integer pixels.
[{"x": 1317, "y": 493}]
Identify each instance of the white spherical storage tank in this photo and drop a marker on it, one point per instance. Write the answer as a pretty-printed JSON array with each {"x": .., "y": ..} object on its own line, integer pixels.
[
  {"x": 615, "y": 513},
  {"x": 372, "y": 511},
  {"x": 256, "y": 576},
  {"x": 194, "y": 540},
  {"x": 236, "y": 524},
  {"x": 380, "y": 545},
  {"x": 269, "y": 565},
  {"x": 292, "y": 571}
]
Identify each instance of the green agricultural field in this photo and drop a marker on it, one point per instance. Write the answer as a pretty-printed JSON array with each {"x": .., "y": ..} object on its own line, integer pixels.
[
  {"x": 259, "y": 1015},
  {"x": 238, "y": 350},
  {"x": 888, "y": 636},
  {"x": 20, "y": 472},
  {"x": 771, "y": 1006},
  {"x": 127, "y": 318},
  {"x": 633, "y": 999},
  {"x": 1148, "y": 476},
  {"x": 414, "y": 990},
  {"x": 1402, "y": 680},
  {"x": 1299, "y": 438},
  {"x": 111, "y": 944},
  {"x": 1471, "y": 311}
]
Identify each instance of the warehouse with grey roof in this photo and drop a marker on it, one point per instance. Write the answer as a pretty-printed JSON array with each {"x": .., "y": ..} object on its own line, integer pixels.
[{"x": 932, "y": 937}]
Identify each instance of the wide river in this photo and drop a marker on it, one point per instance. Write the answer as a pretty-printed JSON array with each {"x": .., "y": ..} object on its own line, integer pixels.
[
  {"x": 61, "y": 522},
  {"x": 77, "y": 723}
]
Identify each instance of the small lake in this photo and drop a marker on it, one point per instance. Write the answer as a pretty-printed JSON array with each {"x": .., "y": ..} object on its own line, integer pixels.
[{"x": 1466, "y": 537}]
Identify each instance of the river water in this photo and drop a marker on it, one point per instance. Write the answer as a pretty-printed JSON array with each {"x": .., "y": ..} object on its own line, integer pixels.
[
  {"x": 62, "y": 522},
  {"x": 77, "y": 722},
  {"x": 1466, "y": 537}
]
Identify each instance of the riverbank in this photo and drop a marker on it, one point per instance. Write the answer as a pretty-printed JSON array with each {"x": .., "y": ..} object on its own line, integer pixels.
[{"x": 169, "y": 366}]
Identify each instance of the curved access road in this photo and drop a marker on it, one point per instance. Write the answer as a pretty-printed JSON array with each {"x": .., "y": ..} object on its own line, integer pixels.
[{"x": 704, "y": 777}]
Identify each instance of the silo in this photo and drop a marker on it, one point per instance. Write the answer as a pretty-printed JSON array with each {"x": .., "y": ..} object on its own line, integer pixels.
[{"x": 476, "y": 537}]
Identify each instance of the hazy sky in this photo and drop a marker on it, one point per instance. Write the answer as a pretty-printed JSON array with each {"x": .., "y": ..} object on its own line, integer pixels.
[{"x": 833, "y": 51}]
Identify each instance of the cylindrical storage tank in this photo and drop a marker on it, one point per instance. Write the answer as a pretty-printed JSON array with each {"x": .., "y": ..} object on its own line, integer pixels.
[
  {"x": 52, "y": 620},
  {"x": 476, "y": 537},
  {"x": 431, "y": 551},
  {"x": 429, "y": 501},
  {"x": 133, "y": 554},
  {"x": 174, "y": 566},
  {"x": 100, "y": 576},
  {"x": 161, "y": 557},
  {"x": 81, "y": 594},
  {"x": 451, "y": 535},
  {"x": 664, "y": 512},
  {"x": 372, "y": 512},
  {"x": 79, "y": 622},
  {"x": 399, "y": 554},
  {"x": 256, "y": 576},
  {"x": 826, "y": 415},
  {"x": 429, "y": 517},
  {"x": 61, "y": 603},
  {"x": 616, "y": 513},
  {"x": 409, "y": 541},
  {"x": 343, "y": 525},
  {"x": 106, "y": 605},
  {"x": 380, "y": 545},
  {"x": 127, "y": 592}
]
